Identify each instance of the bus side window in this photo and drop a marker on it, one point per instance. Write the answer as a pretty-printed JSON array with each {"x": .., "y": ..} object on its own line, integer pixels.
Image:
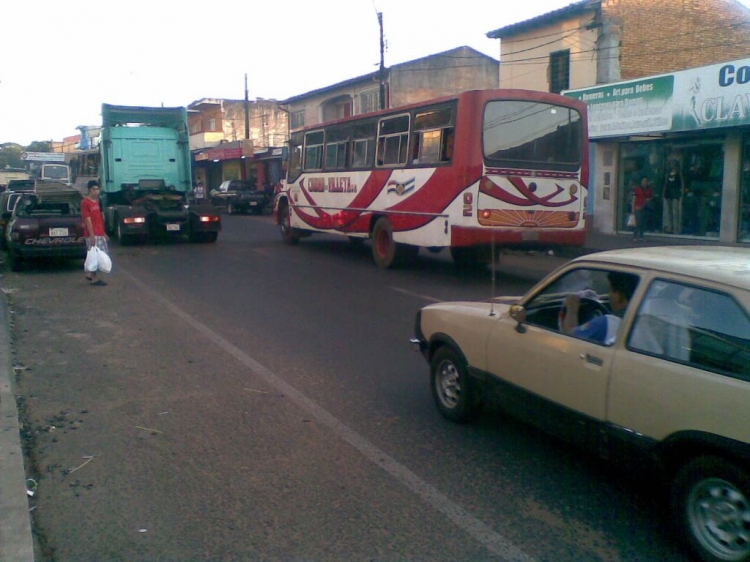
[
  {"x": 314, "y": 151},
  {"x": 359, "y": 155},
  {"x": 295, "y": 157},
  {"x": 393, "y": 140}
]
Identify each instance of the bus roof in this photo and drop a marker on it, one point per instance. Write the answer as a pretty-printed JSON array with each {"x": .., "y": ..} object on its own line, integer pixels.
[{"x": 480, "y": 95}]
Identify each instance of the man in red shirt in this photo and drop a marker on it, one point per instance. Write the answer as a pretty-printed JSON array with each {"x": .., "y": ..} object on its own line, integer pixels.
[
  {"x": 93, "y": 225},
  {"x": 641, "y": 197}
]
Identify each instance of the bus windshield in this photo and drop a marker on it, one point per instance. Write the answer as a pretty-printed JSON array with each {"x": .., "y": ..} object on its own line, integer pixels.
[{"x": 532, "y": 135}]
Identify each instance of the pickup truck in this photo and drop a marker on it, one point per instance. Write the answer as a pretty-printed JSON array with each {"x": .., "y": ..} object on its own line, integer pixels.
[{"x": 238, "y": 196}]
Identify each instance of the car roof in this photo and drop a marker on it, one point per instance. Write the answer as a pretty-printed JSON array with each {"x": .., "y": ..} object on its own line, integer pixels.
[{"x": 724, "y": 264}]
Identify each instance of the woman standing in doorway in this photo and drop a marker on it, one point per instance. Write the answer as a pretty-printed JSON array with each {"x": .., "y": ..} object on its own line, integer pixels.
[{"x": 672, "y": 195}]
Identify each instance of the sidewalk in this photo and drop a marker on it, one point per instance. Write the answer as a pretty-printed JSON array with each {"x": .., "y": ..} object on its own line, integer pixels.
[{"x": 16, "y": 544}]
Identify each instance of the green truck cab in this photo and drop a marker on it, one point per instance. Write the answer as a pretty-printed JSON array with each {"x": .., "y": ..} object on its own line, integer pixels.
[{"x": 146, "y": 177}]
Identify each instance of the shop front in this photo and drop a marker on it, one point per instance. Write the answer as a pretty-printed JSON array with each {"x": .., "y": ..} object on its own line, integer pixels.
[
  {"x": 687, "y": 136},
  {"x": 227, "y": 161}
]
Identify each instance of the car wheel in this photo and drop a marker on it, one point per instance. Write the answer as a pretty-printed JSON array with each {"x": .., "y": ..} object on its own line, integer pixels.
[
  {"x": 711, "y": 506},
  {"x": 288, "y": 234},
  {"x": 15, "y": 261},
  {"x": 455, "y": 393}
]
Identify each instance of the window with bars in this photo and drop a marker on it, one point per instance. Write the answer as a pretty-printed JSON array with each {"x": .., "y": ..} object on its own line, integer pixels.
[
  {"x": 369, "y": 101},
  {"x": 297, "y": 119},
  {"x": 559, "y": 71}
]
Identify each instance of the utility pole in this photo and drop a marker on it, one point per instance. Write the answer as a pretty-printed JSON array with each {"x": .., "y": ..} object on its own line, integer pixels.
[
  {"x": 247, "y": 111},
  {"x": 382, "y": 62}
]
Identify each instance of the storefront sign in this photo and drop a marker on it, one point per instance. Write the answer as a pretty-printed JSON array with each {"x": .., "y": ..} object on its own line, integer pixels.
[
  {"x": 697, "y": 99},
  {"x": 43, "y": 156}
]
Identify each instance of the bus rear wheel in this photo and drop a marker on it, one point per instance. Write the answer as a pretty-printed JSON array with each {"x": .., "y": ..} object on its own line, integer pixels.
[
  {"x": 385, "y": 251},
  {"x": 471, "y": 257}
]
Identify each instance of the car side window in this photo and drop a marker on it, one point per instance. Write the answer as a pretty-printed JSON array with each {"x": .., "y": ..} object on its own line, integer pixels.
[
  {"x": 545, "y": 307},
  {"x": 703, "y": 328}
]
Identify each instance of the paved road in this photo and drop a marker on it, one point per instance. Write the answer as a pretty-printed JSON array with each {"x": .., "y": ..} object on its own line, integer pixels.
[{"x": 251, "y": 401}]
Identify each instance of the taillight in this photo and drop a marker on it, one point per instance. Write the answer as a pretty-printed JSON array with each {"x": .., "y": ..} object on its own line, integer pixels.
[
  {"x": 134, "y": 220},
  {"x": 210, "y": 218}
]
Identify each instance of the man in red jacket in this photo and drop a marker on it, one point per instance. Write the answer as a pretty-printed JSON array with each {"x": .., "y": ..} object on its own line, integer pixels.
[{"x": 93, "y": 225}]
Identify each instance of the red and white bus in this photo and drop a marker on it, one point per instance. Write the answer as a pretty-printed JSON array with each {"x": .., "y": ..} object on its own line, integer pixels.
[{"x": 504, "y": 168}]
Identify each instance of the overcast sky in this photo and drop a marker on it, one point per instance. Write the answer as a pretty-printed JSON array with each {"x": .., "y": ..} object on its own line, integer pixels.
[{"x": 62, "y": 60}]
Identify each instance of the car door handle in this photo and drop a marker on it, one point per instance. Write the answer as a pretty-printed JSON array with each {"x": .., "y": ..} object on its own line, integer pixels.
[{"x": 591, "y": 359}]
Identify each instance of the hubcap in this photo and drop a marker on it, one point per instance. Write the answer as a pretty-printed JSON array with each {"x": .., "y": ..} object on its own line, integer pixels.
[
  {"x": 449, "y": 387},
  {"x": 719, "y": 515}
]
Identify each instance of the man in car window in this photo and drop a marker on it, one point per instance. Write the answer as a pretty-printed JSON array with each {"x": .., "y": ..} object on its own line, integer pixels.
[{"x": 602, "y": 329}]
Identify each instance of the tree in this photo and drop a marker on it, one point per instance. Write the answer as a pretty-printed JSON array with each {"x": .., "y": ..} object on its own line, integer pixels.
[
  {"x": 40, "y": 146},
  {"x": 10, "y": 155}
]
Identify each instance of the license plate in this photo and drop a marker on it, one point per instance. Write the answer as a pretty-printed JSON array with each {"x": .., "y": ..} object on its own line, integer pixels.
[
  {"x": 58, "y": 231},
  {"x": 253, "y": 203},
  {"x": 173, "y": 227}
]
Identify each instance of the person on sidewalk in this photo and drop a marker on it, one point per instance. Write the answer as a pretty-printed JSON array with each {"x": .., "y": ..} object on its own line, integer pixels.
[
  {"x": 642, "y": 197},
  {"x": 93, "y": 225},
  {"x": 672, "y": 195}
]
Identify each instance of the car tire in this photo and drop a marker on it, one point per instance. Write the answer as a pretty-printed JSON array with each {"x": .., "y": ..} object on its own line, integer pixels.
[
  {"x": 456, "y": 395},
  {"x": 15, "y": 261},
  {"x": 711, "y": 509}
]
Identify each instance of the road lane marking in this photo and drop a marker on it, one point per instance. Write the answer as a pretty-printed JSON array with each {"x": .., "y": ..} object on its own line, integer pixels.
[
  {"x": 492, "y": 541},
  {"x": 412, "y": 294}
]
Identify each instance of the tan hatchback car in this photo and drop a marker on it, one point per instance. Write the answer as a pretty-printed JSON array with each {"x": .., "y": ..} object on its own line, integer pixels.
[{"x": 640, "y": 355}]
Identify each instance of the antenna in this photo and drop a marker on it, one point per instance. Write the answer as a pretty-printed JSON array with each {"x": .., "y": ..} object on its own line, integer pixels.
[{"x": 492, "y": 266}]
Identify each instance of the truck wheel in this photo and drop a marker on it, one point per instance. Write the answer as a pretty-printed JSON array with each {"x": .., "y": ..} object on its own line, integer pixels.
[
  {"x": 204, "y": 237},
  {"x": 288, "y": 234},
  {"x": 125, "y": 239},
  {"x": 453, "y": 390},
  {"x": 711, "y": 507}
]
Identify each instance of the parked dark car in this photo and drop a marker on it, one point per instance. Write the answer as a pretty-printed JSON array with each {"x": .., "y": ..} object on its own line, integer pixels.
[
  {"x": 239, "y": 196},
  {"x": 7, "y": 202},
  {"x": 45, "y": 226}
]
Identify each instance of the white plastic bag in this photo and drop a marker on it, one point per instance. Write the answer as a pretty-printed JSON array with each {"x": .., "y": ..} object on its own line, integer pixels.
[
  {"x": 92, "y": 260},
  {"x": 103, "y": 261},
  {"x": 631, "y": 221}
]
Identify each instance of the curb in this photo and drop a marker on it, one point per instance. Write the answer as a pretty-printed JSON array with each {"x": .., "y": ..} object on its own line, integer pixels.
[{"x": 16, "y": 543}]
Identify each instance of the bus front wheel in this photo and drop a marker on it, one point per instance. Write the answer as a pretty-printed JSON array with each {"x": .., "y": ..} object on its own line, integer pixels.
[{"x": 288, "y": 234}]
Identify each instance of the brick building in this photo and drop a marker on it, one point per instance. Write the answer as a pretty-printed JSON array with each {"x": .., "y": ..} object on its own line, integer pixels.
[
  {"x": 600, "y": 41},
  {"x": 231, "y": 139},
  {"x": 668, "y": 88},
  {"x": 441, "y": 74}
]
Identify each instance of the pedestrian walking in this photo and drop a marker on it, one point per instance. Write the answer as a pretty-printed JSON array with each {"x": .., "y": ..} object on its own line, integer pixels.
[{"x": 93, "y": 224}]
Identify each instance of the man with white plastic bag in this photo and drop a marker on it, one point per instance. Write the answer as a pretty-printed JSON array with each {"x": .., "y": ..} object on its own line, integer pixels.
[{"x": 97, "y": 257}]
